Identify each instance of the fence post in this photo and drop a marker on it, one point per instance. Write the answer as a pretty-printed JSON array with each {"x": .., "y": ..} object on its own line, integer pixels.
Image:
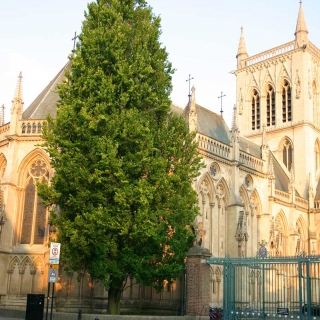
[{"x": 198, "y": 281}]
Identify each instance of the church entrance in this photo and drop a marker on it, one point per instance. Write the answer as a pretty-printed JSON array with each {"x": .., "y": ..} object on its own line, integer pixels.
[{"x": 267, "y": 287}]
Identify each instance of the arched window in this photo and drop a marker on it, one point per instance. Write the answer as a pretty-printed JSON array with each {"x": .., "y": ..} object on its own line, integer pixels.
[
  {"x": 271, "y": 107},
  {"x": 317, "y": 156},
  {"x": 255, "y": 115},
  {"x": 34, "y": 211},
  {"x": 287, "y": 154},
  {"x": 286, "y": 102}
]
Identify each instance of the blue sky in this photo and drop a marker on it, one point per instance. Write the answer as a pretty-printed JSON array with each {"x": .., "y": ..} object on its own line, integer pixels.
[{"x": 201, "y": 38}]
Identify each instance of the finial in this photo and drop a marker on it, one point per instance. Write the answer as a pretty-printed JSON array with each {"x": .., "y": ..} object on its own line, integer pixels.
[
  {"x": 235, "y": 118},
  {"x": 74, "y": 42},
  {"x": 220, "y": 97},
  {"x": 18, "y": 93},
  {"x": 189, "y": 80}
]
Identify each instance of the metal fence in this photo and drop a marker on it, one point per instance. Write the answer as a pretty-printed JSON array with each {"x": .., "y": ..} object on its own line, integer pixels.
[{"x": 270, "y": 287}]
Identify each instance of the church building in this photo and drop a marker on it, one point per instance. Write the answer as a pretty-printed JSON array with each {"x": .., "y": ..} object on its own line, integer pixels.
[{"x": 260, "y": 185}]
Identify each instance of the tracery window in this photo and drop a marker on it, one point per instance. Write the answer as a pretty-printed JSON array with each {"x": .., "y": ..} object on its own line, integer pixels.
[
  {"x": 286, "y": 102},
  {"x": 271, "y": 106},
  {"x": 287, "y": 154},
  {"x": 34, "y": 211},
  {"x": 255, "y": 110}
]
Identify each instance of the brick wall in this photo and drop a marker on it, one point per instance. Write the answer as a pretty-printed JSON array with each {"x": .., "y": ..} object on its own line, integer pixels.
[{"x": 198, "y": 282}]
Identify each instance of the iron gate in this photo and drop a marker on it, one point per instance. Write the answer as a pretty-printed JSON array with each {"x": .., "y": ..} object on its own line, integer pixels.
[{"x": 264, "y": 287}]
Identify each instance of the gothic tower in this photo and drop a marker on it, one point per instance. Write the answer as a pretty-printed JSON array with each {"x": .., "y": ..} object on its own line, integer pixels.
[{"x": 279, "y": 89}]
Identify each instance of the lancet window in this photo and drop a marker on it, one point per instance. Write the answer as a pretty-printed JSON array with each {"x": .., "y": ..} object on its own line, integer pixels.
[
  {"x": 255, "y": 113},
  {"x": 287, "y": 154},
  {"x": 271, "y": 106},
  {"x": 34, "y": 211},
  {"x": 286, "y": 102}
]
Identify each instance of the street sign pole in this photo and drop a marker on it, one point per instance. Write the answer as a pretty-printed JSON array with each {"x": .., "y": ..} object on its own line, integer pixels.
[
  {"x": 52, "y": 301},
  {"x": 48, "y": 298},
  {"x": 53, "y": 271}
]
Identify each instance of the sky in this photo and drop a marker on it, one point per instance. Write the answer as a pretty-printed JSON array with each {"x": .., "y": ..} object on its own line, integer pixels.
[{"x": 201, "y": 37}]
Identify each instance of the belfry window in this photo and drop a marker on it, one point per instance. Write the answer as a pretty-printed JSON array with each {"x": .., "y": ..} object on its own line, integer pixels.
[
  {"x": 271, "y": 107},
  {"x": 255, "y": 110},
  {"x": 287, "y": 154},
  {"x": 286, "y": 102},
  {"x": 34, "y": 211}
]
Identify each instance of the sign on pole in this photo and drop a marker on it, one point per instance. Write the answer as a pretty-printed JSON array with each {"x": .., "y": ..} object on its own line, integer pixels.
[
  {"x": 54, "y": 253},
  {"x": 53, "y": 275}
]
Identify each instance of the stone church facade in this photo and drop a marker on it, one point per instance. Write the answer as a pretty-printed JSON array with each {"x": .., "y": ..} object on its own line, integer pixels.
[{"x": 260, "y": 184}]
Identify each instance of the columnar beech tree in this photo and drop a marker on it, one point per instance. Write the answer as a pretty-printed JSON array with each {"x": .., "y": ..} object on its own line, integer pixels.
[{"x": 124, "y": 165}]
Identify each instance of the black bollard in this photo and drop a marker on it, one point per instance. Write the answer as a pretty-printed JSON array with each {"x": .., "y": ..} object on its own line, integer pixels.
[{"x": 79, "y": 314}]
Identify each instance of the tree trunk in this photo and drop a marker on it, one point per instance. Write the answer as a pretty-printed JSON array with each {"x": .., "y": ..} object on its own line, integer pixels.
[{"x": 114, "y": 295}]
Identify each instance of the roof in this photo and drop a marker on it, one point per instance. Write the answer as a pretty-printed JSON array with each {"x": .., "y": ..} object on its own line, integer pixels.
[
  {"x": 46, "y": 102},
  {"x": 211, "y": 124},
  {"x": 282, "y": 180}
]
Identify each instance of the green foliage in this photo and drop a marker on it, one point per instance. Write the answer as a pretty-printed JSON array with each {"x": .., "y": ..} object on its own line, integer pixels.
[{"x": 124, "y": 165}]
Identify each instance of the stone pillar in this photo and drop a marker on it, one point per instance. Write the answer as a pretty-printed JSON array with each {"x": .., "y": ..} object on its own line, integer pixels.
[{"x": 198, "y": 281}]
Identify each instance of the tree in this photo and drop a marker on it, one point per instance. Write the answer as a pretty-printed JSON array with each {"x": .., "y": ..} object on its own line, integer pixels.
[{"x": 124, "y": 165}]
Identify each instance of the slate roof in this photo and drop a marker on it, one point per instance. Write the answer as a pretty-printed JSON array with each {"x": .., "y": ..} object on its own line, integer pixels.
[
  {"x": 46, "y": 102},
  {"x": 210, "y": 124}
]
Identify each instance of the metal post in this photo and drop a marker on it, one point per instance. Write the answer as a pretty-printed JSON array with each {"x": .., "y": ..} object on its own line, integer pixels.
[
  {"x": 48, "y": 299},
  {"x": 52, "y": 301},
  {"x": 308, "y": 283}
]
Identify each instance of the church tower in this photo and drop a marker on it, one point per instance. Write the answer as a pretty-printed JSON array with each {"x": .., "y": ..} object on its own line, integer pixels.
[{"x": 279, "y": 89}]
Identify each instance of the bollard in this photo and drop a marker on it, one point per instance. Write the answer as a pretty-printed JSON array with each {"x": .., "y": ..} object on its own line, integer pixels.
[
  {"x": 79, "y": 314},
  {"x": 96, "y": 318}
]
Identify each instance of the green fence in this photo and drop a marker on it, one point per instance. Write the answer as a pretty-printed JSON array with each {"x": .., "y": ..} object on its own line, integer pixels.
[{"x": 270, "y": 287}]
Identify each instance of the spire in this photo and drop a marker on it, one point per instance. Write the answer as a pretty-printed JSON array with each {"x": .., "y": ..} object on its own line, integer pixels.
[
  {"x": 242, "y": 50},
  {"x": 235, "y": 118},
  {"x": 16, "y": 107},
  {"x": 301, "y": 29},
  {"x": 193, "y": 111},
  {"x": 271, "y": 170},
  {"x": 18, "y": 94}
]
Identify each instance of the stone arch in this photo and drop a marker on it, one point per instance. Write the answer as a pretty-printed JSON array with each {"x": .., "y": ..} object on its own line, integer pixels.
[
  {"x": 216, "y": 283},
  {"x": 3, "y": 165},
  {"x": 301, "y": 236},
  {"x": 285, "y": 150},
  {"x": 14, "y": 276},
  {"x": 245, "y": 198},
  {"x": 32, "y": 213},
  {"x": 38, "y": 275},
  {"x": 222, "y": 190},
  {"x": 32, "y": 156},
  {"x": 284, "y": 81},
  {"x": 206, "y": 186},
  {"x": 255, "y": 203},
  {"x": 26, "y": 272},
  {"x": 279, "y": 231}
]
